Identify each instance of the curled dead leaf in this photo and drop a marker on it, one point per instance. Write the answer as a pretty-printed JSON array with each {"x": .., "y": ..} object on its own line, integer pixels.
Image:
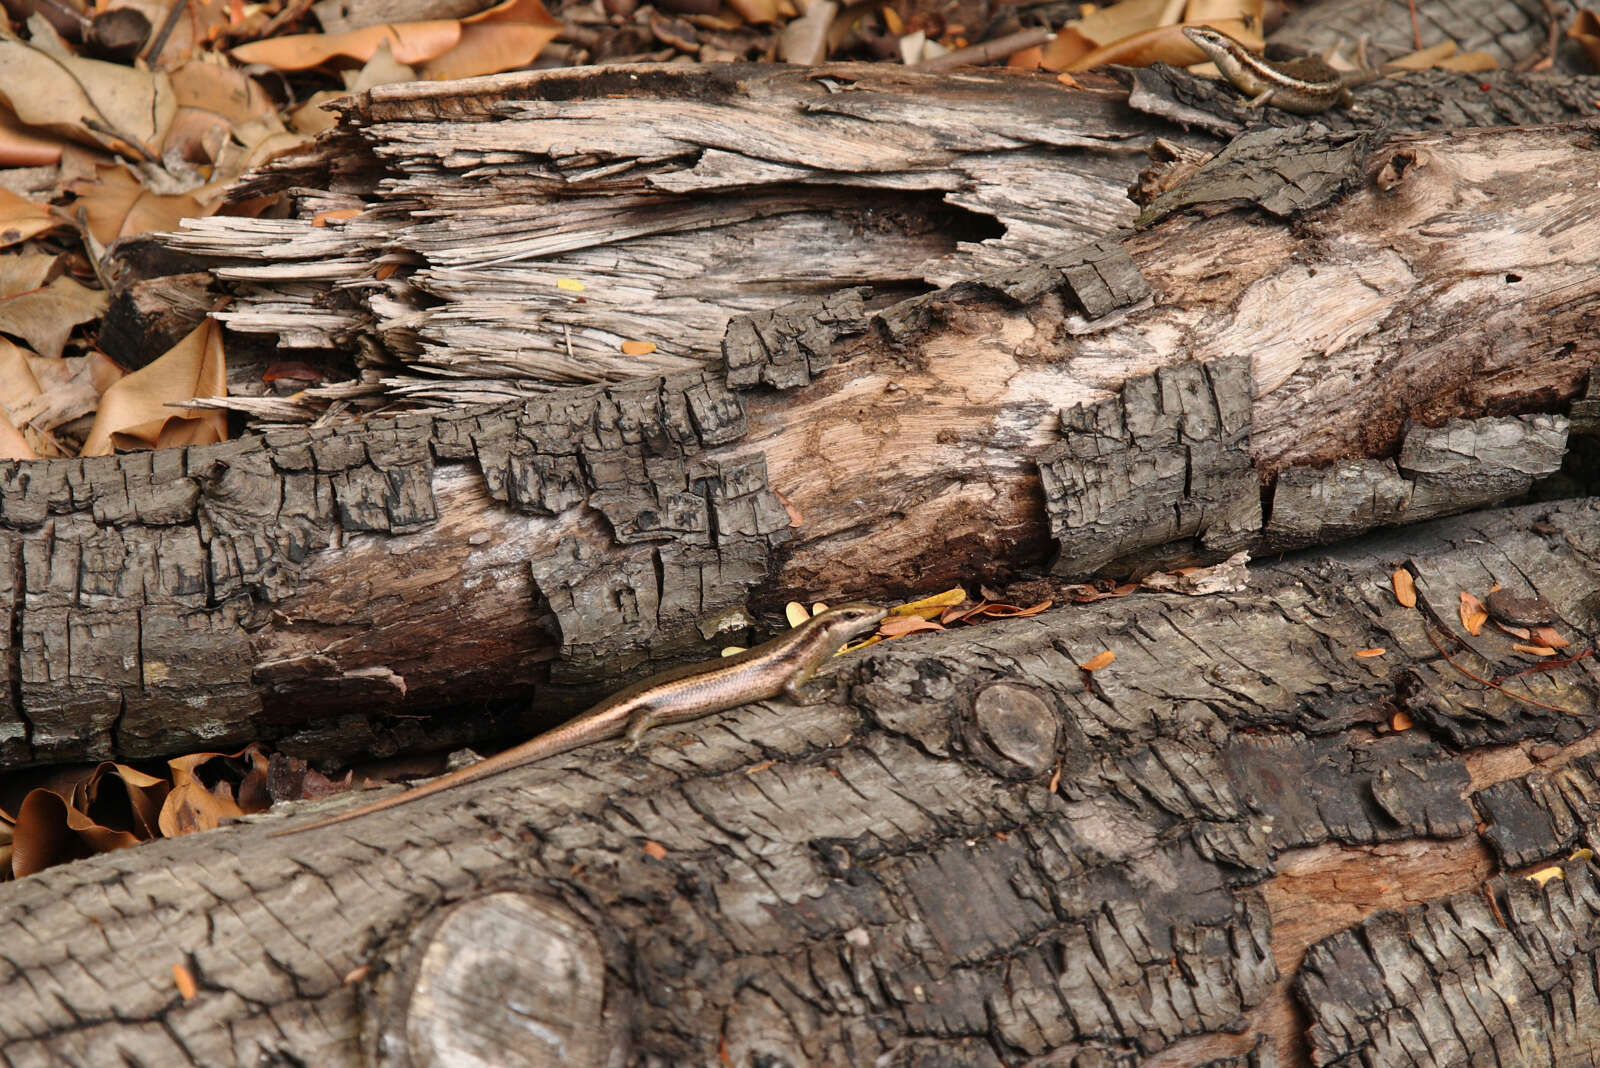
[
  {"x": 1098, "y": 661},
  {"x": 1534, "y": 650},
  {"x": 928, "y": 607},
  {"x": 21, "y": 219},
  {"x": 1400, "y": 721},
  {"x": 1473, "y": 614},
  {"x": 137, "y": 411},
  {"x": 1405, "y": 588}
]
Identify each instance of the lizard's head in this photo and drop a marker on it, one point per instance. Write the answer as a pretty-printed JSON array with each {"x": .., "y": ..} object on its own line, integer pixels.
[
  {"x": 852, "y": 620},
  {"x": 1210, "y": 41}
]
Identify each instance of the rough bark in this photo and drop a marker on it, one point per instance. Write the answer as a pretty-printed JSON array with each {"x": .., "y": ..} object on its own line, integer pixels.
[
  {"x": 977, "y": 853},
  {"x": 310, "y": 584}
]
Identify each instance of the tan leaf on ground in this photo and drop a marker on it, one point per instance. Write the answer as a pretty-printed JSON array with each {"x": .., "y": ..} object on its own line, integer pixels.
[
  {"x": 212, "y": 101},
  {"x": 44, "y": 317},
  {"x": 22, "y": 147},
  {"x": 13, "y": 446},
  {"x": 40, "y": 394},
  {"x": 107, "y": 104},
  {"x": 409, "y": 42},
  {"x": 1473, "y": 614},
  {"x": 135, "y": 412},
  {"x": 507, "y": 36},
  {"x": 116, "y": 204},
  {"x": 20, "y": 271},
  {"x": 21, "y": 219}
]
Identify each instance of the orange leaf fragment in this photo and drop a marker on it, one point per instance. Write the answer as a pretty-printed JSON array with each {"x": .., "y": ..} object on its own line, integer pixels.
[
  {"x": 185, "y": 981},
  {"x": 656, "y": 850},
  {"x": 1534, "y": 650},
  {"x": 356, "y": 974},
  {"x": 638, "y": 348},
  {"x": 1515, "y": 632},
  {"x": 1473, "y": 614},
  {"x": 1095, "y": 663},
  {"x": 1405, "y": 588},
  {"x": 1368, "y": 654},
  {"x": 1548, "y": 636},
  {"x": 323, "y": 218},
  {"x": 1400, "y": 721},
  {"x": 899, "y": 626}
]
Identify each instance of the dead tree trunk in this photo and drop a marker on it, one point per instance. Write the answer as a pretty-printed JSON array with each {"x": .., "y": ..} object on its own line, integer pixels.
[
  {"x": 977, "y": 854},
  {"x": 1241, "y": 841}
]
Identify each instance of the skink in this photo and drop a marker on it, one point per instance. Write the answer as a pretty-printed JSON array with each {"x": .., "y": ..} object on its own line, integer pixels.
[
  {"x": 780, "y": 666},
  {"x": 1303, "y": 86}
]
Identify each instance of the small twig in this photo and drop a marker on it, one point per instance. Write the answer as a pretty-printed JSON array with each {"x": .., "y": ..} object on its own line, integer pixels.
[
  {"x": 1548, "y": 52},
  {"x": 1427, "y": 618},
  {"x": 988, "y": 51},
  {"x": 1416, "y": 28},
  {"x": 154, "y": 46},
  {"x": 1546, "y": 666}
]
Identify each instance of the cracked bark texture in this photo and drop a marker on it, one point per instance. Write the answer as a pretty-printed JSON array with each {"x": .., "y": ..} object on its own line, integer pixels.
[
  {"x": 1097, "y": 406},
  {"x": 976, "y": 853}
]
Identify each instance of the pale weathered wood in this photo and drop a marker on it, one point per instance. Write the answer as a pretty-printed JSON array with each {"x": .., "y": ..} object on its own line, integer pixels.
[{"x": 622, "y": 525}]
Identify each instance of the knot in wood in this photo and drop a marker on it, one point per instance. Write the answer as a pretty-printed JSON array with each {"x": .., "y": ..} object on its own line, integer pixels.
[
  {"x": 1019, "y": 724},
  {"x": 503, "y": 979}
]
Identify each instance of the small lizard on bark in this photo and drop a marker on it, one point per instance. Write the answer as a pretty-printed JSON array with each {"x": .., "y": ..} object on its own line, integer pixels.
[
  {"x": 780, "y": 666},
  {"x": 1303, "y": 86}
]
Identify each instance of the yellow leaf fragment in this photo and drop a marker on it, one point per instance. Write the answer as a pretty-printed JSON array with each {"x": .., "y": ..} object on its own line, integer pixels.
[
  {"x": 1095, "y": 663},
  {"x": 1544, "y": 875},
  {"x": 929, "y": 607},
  {"x": 1582, "y": 854},
  {"x": 1405, "y": 588},
  {"x": 795, "y": 613},
  {"x": 571, "y": 285},
  {"x": 730, "y": 650}
]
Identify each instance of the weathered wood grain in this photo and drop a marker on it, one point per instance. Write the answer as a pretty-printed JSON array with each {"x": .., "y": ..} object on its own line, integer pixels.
[{"x": 976, "y": 854}]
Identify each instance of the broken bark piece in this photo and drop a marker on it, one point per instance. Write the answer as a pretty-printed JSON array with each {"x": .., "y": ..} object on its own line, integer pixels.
[{"x": 1519, "y": 610}]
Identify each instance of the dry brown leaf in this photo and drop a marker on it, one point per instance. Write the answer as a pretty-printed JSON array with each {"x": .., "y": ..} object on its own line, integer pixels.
[
  {"x": 41, "y": 837},
  {"x": 108, "y": 807},
  {"x": 20, "y": 218},
  {"x": 22, "y": 147},
  {"x": 135, "y": 412},
  {"x": 1585, "y": 29},
  {"x": 183, "y": 979},
  {"x": 1473, "y": 614},
  {"x": 1368, "y": 654},
  {"x": 1400, "y": 721},
  {"x": 45, "y": 317},
  {"x": 1405, "y": 588},
  {"x": 1515, "y": 632},
  {"x": 213, "y": 102},
  {"x": 1534, "y": 650},
  {"x": 13, "y": 446},
  {"x": 116, "y": 204},
  {"x": 507, "y": 36},
  {"x": 190, "y": 807},
  {"x": 1161, "y": 44},
  {"x": 22, "y": 271},
  {"x": 40, "y": 394},
  {"x": 109, "y": 105},
  {"x": 754, "y": 11},
  {"x": 1549, "y": 636},
  {"x": 1011, "y": 611},
  {"x": 409, "y": 42},
  {"x": 900, "y": 626},
  {"x": 1098, "y": 661}
]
